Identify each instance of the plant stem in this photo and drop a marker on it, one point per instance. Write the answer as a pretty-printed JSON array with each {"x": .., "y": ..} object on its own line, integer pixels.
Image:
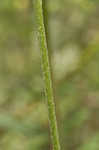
[
  {"x": 46, "y": 17},
  {"x": 46, "y": 25},
  {"x": 47, "y": 74}
]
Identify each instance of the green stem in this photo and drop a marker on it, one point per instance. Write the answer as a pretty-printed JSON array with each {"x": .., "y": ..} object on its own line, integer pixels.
[
  {"x": 47, "y": 74},
  {"x": 46, "y": 25},
  {"x": 46, "y": 17}
]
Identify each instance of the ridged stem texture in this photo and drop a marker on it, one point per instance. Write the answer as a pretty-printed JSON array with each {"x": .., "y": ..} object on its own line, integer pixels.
[{"x": 46, "y": 73}]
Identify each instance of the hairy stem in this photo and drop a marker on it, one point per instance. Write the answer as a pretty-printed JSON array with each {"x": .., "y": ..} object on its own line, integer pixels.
[{"x": 47, "y": 74}]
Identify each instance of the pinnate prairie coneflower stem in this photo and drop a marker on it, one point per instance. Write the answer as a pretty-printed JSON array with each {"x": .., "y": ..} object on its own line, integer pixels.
[{"x": 46, "y": 73}]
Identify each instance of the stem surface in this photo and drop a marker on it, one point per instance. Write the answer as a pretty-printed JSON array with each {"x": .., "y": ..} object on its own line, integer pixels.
[{"x": 47, "y": 74}]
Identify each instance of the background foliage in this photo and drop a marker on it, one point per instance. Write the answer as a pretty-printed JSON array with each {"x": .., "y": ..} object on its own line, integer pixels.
[{"x": 74, "y": 52}]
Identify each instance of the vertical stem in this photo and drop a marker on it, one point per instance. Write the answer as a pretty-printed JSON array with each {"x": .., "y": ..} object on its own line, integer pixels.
[
  {"x": 46, "y": 24},
  {"x": 46, "y": 16},
  {"x": 47, "y": 74}
]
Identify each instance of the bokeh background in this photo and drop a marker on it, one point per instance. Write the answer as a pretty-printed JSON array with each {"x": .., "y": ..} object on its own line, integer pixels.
[{"x": 73, "y": 41}]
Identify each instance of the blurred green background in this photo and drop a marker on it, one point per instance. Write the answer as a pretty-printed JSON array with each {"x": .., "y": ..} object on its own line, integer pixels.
[{"x": 73, "y": 37}]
